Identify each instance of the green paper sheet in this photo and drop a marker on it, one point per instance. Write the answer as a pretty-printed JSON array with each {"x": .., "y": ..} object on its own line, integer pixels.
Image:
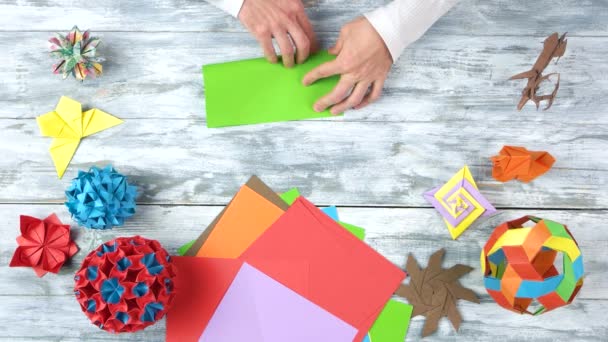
[
  {"x": 290, "y": 195},
  {"x": 255, "y": 91},
  {"x": 356, "y": 231},
  {"x": 183, "y": 249},
  {"x": 392, "y": 323}
]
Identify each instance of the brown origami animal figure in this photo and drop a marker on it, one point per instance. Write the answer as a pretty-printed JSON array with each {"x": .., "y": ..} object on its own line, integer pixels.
[{"x": 554, "y": 46}]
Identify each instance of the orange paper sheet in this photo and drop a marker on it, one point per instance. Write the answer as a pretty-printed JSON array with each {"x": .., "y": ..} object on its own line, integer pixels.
[{"x": 228, "y": 239}]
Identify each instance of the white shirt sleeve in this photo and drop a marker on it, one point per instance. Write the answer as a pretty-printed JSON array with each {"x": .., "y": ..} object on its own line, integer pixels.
[
  {"x": 402, "y": 22},
  {"x": 233, "y": 7}
]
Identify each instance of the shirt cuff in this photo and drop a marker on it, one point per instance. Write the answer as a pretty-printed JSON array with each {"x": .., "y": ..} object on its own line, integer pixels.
[
  {"x": 388, "y": 34},
  {"x": 402, "y": 22},
  {"x": 232, "y": 7}
]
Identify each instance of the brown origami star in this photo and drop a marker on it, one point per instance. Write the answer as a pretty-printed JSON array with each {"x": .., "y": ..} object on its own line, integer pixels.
[{"x": 434, "y": 291}]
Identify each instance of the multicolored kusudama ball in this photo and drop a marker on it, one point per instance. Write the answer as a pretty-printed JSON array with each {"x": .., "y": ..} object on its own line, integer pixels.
[
  {"x": 126, "y": 284},
  {"x": 518, "y": 264},
  {"x": 101, "y": 198}
]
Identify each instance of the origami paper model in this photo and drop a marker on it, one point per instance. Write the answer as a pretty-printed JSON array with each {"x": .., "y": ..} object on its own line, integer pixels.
[
  {"x": 101, "y": 198},
  {"x": 342, "y": 266},
  {"x": 67, "y": 124},
  {"x": 518, "y": 265},
  {"x": 434, "y": 291},
  {"x": 459, "y": 202},
  {"x": 514, "y": 162},
  {"x": 554, "y": 46},
  {"x": 257, "y": 308},
  {"x": 77, "y": 52},
  {"x": 255, "y": 91},
  {"x": 126, "y": 284},
  {"x": 44, "y": 245}
]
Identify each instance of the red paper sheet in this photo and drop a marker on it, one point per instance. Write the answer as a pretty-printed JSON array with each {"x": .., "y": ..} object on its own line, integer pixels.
[
  {"x": 346, "y": 276},
  {"x": 202, "y": 283}
]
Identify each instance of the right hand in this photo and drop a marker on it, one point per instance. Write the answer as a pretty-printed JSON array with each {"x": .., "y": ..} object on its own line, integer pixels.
[{"x": 283, "y": 20}]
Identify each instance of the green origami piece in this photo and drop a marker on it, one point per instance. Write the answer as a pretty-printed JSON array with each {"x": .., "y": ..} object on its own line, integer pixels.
[
  {"x": 392, "y": 323},
  {"x": 255, "y": 91}
]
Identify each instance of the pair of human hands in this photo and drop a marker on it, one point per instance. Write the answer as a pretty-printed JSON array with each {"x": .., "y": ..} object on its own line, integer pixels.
[{"x": 363, "y": 60}]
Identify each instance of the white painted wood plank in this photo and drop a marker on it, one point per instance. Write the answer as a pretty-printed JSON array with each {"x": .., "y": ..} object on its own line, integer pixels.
[
  {"x": 60, "y": 319},
  {"x": 439, "y": 79},
  {"x": 393, "y": 232},
  {"x": 477, "y": 17},
  {"x": 344, "y": 163},
  {"x": 446, "y": 103},
  {"x": 47, "y": 303}
]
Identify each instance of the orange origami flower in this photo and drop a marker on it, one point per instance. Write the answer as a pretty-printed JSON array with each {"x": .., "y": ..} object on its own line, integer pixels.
[
  {"x": 514, "y": 162},
  {"x": 44, "y": 245}
]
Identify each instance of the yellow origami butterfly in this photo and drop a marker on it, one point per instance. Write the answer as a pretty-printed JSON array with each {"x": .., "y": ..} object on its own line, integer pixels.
[{"x": 67, "y": 125}]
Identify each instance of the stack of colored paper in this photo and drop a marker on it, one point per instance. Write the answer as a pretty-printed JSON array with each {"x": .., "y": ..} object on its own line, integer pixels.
[{"x": 276, "y": 268}]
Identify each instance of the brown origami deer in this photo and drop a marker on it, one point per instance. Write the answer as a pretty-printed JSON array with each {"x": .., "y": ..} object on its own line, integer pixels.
[{"x": 554, "y": 46}]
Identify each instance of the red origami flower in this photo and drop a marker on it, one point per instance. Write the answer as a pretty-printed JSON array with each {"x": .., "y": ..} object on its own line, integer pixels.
[{"x": 44, "y": 245}]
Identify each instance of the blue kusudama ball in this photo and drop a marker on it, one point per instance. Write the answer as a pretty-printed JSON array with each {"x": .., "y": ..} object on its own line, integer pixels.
[{"x": 101, "y": 198}]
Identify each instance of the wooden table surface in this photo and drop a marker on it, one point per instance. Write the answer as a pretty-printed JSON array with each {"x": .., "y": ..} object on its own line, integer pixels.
[{"x": 446, "y": 103}]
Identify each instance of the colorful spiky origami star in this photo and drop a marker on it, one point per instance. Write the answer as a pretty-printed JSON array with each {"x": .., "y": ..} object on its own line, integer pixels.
[
  {"x": 518, "y": 265},
  {"x": 67, "y": 124},
  {"x": 459, "y": 202},
  {"x": 77, "y": 52},
  {"x": 514, "y": 162}
]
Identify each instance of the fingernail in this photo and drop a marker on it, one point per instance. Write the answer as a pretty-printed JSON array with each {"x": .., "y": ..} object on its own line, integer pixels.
[
  {"x": 334, "y": 112},
  {"x": 317, "y": 108}
]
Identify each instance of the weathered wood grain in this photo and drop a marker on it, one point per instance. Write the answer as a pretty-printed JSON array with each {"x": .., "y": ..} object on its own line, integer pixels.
[
  {"x": 60, "y": 319},
  {"x": 345, "y": 163},
  {"x": 446, "y": 103},
  {"x": 440, "y": 111},
  {"x": 471, "y": 17},
  {"x": 393, "y": 232},
  {"x": 439, "y": 79}
]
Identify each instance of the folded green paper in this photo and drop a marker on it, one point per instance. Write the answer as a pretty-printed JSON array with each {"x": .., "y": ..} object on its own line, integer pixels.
[{"x": 256, "y": 91}]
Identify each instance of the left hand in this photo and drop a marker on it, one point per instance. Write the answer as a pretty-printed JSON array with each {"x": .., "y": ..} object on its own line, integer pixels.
[{"x": 363, "y": 61}]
